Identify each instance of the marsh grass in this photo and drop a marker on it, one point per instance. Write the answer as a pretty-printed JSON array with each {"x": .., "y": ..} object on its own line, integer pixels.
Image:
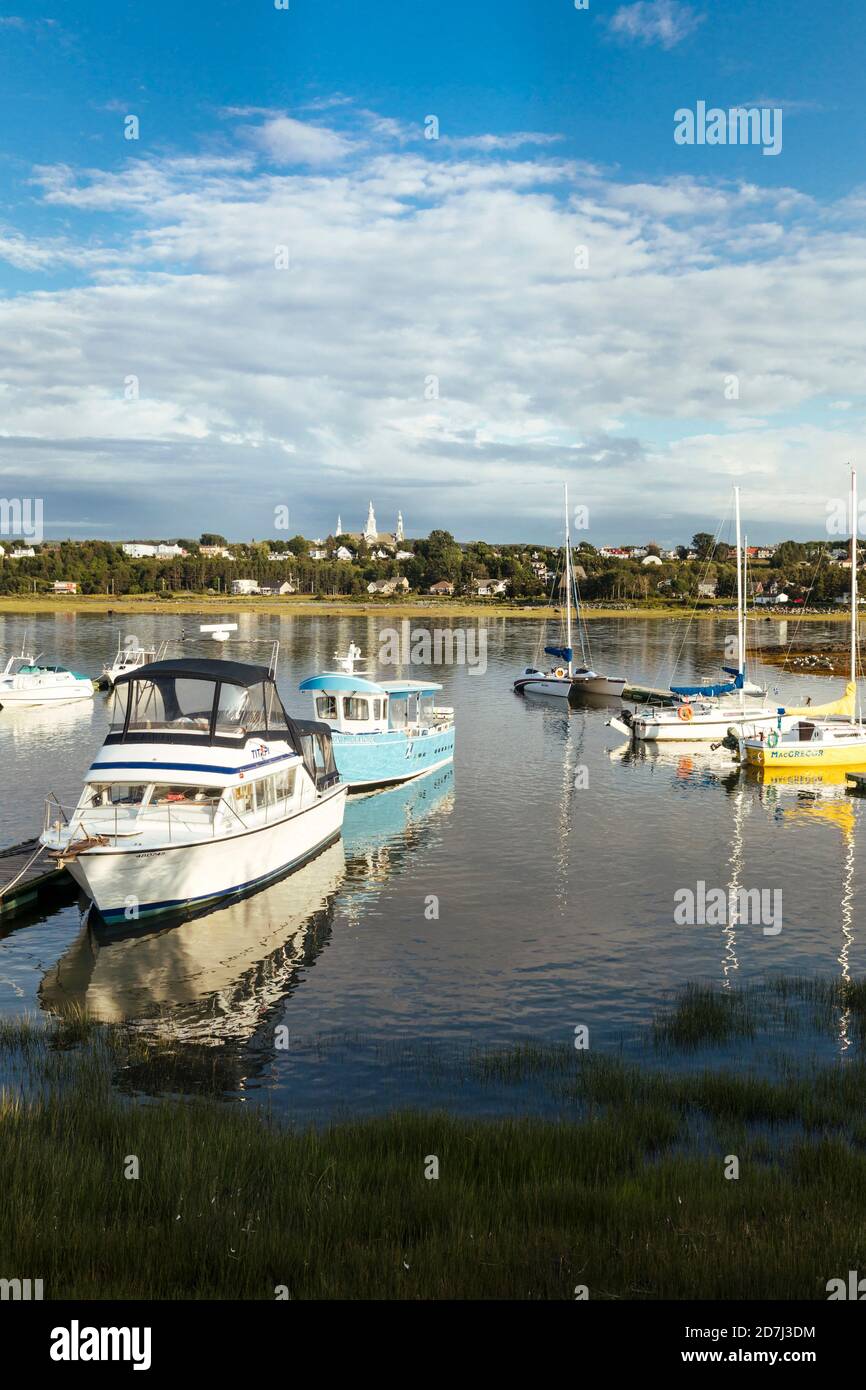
[{"x": 625, "y": 1193}]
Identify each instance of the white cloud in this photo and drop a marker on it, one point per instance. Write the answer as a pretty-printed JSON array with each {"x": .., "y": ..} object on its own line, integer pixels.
[
  {"x": 665, "y": 22},
  {"x": 308, "y": 384},
  {"x": 287, "y": 141}
]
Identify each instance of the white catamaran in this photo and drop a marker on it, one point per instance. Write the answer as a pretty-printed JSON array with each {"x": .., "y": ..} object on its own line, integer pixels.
[{"x": 567, "y": 680}]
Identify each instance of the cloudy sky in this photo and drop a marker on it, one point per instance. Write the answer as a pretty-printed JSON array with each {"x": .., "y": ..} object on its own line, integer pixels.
[{"x": 283, "y": 292}]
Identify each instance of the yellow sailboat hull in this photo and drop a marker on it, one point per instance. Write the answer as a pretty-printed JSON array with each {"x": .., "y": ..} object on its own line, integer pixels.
[{"x": 809, "y": 755}]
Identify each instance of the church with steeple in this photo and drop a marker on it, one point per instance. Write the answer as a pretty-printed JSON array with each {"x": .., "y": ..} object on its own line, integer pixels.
[{"x": 371, "y": 535}]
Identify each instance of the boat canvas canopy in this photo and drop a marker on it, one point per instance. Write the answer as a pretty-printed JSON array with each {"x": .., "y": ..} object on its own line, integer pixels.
[
  {"x": 711, "y": 691},
  {"x": 567, "y": 653},
  {"x": 205, "y": 669}
]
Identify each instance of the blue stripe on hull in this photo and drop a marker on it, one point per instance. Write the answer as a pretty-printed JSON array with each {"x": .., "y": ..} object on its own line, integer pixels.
[{"x": 371, "y": 760}]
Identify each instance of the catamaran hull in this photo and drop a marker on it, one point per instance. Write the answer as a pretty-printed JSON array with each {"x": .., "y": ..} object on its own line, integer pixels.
[
  {"x": 598, "y": 685},
  {"x": 538, "y": 685},
  {"x": 384, "y": 759},
  {"x": 699, "y": 728},
  {"x": 129, "y": 884}
]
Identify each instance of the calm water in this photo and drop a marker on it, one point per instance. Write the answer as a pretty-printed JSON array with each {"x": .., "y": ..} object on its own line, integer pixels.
[{"x": 553, "y": 859}]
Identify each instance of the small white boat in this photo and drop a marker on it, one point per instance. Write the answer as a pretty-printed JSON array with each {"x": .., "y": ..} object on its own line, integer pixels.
[
  {"x": 565, "y": 680},
  {"x": 24, "y": 681},
  {"x": 204, "y": 789},
  {"x": 130, "y": 656},
  {"x": 705, "y": 713}
]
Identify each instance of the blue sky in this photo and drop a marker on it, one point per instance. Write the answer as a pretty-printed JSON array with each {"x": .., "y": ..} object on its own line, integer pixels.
[{"x": 432, "y": 341}]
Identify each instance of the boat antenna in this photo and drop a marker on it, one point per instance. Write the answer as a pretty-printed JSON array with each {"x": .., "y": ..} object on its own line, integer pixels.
[
  {"x": 854, "y": 614},
  {"x": 741, "y": 666},
  {"x": 568, "y": 587}
]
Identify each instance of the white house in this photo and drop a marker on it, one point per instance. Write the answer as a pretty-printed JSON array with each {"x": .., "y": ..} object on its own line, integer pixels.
[
  {"x": 651, "y": 560},
  {"x": 245, "y": 586},
  {"x": 486, "y": 587},
  {"x": 23, "y": 552},
  {"x": 318, "y": 553},
  {"x": 215, "y": 552},
  {"x": 287, "y": 588},
  {"x": 343, "y": 553},
  {"x": 137, "y": 551}
]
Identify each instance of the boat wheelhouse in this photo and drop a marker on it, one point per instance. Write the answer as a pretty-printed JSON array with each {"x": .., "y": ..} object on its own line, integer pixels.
[
  {"x": 131, "y": 654},
  {"x": 204, "y": 788},
  {"x": 382, "y": 731}
]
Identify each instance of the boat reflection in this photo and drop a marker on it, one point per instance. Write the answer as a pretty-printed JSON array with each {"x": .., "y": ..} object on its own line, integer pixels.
[
  {"x": 220, "y": 979},
  {"x": 820, "y": 796},
  {"x": 211, "y": 977}
]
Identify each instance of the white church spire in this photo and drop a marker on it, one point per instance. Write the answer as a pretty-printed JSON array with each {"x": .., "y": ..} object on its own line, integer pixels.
[
  {"x": 370, "y": 532},
  {"x": 398, "y": 534},
  {"x": 339, "y": 530}
]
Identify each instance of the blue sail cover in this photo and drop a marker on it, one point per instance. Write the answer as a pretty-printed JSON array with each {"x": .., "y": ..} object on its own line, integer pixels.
[
  {"x": 565, "y": 652},
  {"x": 727, "y": 688}
]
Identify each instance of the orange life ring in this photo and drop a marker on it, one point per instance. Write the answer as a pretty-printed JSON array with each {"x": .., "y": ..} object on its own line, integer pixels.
[
  {"x": 685, "y": 712},
  {"x": 559, "y": 672}
]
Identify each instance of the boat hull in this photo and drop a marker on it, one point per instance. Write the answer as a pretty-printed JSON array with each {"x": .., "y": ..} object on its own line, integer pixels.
[
  {"x": 45, "y": 693},
  {"x": 129, "y": 884},
  {"x": 598, "y": 685},
  {"x": 808, "y": 755},
  {"x": 384, "y": 759},
  {"x": 699, "y": 728}
]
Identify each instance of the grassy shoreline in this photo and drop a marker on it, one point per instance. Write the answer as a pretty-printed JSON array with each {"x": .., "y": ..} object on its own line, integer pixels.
[
  {"x": 103, "y": 604},
  {"x": 630, "y": 1195}
]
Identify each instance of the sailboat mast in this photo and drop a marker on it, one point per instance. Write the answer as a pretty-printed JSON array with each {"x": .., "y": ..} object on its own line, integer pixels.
[
  {"x": 568, "y": 584},
  {"x": 853, "y": 575},
  {"x": 740, "y": 618}
]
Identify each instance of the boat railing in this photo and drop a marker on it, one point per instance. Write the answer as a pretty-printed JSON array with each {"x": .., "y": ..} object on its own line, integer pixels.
[{"x": 117, "y": 820}]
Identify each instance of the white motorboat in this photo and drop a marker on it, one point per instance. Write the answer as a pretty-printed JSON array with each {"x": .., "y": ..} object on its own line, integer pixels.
[
  {"x": 204, "y": 789},
  {"x": 129, "y": 657},
  {"x": 567, "y": 680},
  {"x": 25, "y": 681}
]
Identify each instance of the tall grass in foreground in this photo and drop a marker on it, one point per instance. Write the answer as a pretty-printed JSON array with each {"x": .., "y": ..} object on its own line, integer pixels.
[{"x": 628, "y": 1198}]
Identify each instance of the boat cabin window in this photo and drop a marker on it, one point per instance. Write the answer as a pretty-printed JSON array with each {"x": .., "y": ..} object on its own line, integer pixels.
[
  {"x": 119, "y": 701},
  {"x": 326, "y": 707},
  {"x": 241, "y": 710},
  {"x": 168, "y": 795},
  {"x": 377, "y": 709},
  {"x": 354, "y": 707},
  {"x": 171, "y": 702},
  {"x": 117, "y": 793},
  {"x": 284, "y": 784},
  {"x": 243, "y": 799}
]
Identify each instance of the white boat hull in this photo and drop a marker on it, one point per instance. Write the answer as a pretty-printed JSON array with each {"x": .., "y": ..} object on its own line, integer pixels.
[
  {"x": 669, "y": 727},
  {"x": 128, "y": 884},
  {"x": 36, "y": 690},
  {"x": 569, "y": 686}
]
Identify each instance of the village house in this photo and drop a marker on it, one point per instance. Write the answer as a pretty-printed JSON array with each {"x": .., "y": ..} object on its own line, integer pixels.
[
  {"x": 486, "y": 588},
  {"x": 65, "y": 586},
  {"x": 388, "y": 586},
  {"x": 245, "y": 586},
  {"x": 443, "y": 586}
]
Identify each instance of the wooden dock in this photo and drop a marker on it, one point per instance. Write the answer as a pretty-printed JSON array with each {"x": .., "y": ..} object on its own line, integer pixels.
[
  {"x": 856, "y": 781},
  {"x": 24, "y": 884}
]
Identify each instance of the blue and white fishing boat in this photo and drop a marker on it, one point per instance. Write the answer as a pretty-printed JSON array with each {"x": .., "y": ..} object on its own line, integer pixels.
[
  {"x": 204, "y": 789},
  {"x": 382, "y": 732}
]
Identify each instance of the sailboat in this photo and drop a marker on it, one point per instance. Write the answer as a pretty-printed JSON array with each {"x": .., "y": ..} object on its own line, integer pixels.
[
  {"x": 831, "y": 736},
  {"x": 566, "y": 680},
  {"x": 709, "y": 711}
]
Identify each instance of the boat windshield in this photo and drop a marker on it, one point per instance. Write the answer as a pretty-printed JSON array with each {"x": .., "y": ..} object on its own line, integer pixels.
[{"x": 178, "y": 706}]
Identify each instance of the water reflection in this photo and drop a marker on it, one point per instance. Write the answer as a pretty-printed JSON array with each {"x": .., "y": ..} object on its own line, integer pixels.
[
  {"x": 222, "y": 978},
  {"x": 821, "y": 797}
]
